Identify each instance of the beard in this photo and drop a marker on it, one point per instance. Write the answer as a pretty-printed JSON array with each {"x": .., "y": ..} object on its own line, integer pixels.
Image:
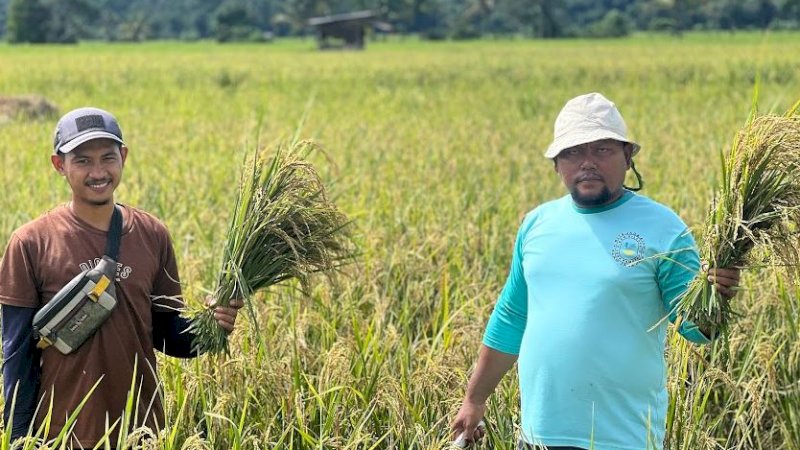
[
  {"x": 90, "y": 199},
  {"x": 99, "y": 202},
  {"x": 598, "y": 199}
]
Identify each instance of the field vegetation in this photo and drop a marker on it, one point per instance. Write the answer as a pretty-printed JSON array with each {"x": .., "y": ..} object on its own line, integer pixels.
[{"x": 435, "y": 150}]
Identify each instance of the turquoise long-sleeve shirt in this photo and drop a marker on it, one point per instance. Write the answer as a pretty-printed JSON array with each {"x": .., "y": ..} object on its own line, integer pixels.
[{"x": 584, "y": 307}]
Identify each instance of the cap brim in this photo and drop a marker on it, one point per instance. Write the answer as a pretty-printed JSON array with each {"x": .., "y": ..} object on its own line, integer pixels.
[
  {"x": 71, "y": 145},
  {"x": 579, "y": 138}
]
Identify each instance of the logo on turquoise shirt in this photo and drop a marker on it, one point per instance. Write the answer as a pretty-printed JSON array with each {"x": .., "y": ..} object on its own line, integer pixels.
[{"x": 628, "y": 249}]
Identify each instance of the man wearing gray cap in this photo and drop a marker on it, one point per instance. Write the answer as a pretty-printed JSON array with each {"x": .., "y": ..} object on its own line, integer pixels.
[
  {"x": 44, "y": 255},
  {"x": 582, "y": 308}
]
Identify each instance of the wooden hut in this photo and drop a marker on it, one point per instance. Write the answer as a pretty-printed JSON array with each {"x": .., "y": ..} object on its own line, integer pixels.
[{"x": 342, "y": 30}]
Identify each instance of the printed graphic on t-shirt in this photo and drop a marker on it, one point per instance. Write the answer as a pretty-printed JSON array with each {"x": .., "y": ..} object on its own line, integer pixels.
[
  {"x": 123, "y": 271},
  {"x": 628, "y": 249}
]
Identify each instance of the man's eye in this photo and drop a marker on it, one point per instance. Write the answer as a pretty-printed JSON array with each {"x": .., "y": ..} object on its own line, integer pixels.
[{"x": 603, "y": 149}]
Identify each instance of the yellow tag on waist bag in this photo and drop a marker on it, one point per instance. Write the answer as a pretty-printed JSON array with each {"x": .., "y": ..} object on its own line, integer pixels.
[{"x": 99, "y": 288}]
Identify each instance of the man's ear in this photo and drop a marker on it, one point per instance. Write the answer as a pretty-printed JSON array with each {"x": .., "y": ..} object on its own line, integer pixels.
[
  {"x": 555, "y": 164},
  {"x": 628, "y": 150},
  {"x": 123, "y": 152},
  {"x": 58, "y": 163}
]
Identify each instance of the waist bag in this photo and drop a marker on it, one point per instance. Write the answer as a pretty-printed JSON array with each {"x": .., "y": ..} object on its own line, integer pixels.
[{"x": 78, "y": 310}]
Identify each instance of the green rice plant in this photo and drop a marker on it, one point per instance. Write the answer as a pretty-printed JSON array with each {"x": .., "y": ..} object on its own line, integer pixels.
[
  {"x": 283, "y": 227},
  {"x": 755, "y": 214},
  {"x": 441, "y": 145}
]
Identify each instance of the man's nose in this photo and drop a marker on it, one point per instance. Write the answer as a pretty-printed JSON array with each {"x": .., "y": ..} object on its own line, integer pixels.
[
  {"x": 588, "y": 162},
  {"x": 97, "y": 171}
]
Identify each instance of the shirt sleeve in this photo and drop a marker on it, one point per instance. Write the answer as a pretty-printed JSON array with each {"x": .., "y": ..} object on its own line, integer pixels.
[
  {"x": 19, "y": 297},
  {"x": 21, "y": 368},
  {"x": 18, "y": 285},
  {"x": 169, "y": 328},
  {"x": 507, "y": 322},
  {"x": 170, "y": 336},
  {"x": 166, "y": 291},
  {"x": 675, "y": 272}
]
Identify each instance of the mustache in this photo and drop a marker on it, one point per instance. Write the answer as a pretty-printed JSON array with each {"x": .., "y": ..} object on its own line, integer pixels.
[
  {"x": 97, "y": 181},
  {"x": 588, "y": 176}
]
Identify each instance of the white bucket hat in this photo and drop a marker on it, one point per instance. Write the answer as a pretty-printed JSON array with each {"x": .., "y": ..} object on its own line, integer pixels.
[{"x": 588, "y": 118}]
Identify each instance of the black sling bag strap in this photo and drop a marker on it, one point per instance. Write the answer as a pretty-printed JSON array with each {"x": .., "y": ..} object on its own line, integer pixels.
[
  {"x": 78, "y": 310},
  {"x": 114, "y": 234}
]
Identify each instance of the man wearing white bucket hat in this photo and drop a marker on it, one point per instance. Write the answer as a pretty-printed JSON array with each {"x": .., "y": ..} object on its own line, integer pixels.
[{"x": 582, "y": 308}]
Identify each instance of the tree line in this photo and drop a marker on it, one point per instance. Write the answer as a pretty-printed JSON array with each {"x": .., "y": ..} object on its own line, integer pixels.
[{"x": 235, "y": 20}]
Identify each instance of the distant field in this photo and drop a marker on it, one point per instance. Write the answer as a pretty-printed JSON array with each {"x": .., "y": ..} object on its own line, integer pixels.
[{"x": 435, "y": 149}]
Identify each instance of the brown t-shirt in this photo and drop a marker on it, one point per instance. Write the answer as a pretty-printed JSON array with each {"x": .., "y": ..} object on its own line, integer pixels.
[{"x": 43, "y": 256}]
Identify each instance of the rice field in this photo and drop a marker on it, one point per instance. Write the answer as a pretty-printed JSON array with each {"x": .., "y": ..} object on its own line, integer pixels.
[{"x": 435, "y": 151}]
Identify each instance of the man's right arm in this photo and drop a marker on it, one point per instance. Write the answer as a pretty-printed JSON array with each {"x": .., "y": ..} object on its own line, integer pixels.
[
  {"x": 501, "y": 344},
  {"x": 20, "y": 297},
  {"x": 20, "y": 368},
  {"x": 492, "y": 366}
]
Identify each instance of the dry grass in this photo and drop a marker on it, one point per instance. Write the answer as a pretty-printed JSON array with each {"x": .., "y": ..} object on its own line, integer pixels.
[{"x": 26, "y": 106}]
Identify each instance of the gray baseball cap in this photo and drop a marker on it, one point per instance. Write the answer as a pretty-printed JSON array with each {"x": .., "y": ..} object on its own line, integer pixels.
[{"x": 82, "y": 125}]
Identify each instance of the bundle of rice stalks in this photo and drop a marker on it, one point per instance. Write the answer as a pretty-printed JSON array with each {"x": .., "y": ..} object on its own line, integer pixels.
[
  {"x": 283, "y": 227},
  {"x": 754, "y": 217}
]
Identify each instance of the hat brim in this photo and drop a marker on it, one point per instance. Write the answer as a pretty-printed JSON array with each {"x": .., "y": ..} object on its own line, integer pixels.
[
  {"x": 71, "y": 145},
  {"x": 585, "y": 137}
]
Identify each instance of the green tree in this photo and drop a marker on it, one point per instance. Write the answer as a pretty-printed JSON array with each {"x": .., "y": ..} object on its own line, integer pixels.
[
  {"x": 27, "y": 21},
  {"x": 614, "y": 24},
  {"x": 466, "y": 22},
  {"x": 541, "y": 18},
  {"x": 234, "y": 22},
  {"x": 549, "y": 24},
  {"x": 71, "y": 20},
  {"x": 759, "y": 13},
  {"x": 790, "y": 9},
  {"x": 68, "y": 20},
  {"x": 502, "y": 20},
  {"x": 3, "y": 9},
  {"x": 396, "y": 12}
]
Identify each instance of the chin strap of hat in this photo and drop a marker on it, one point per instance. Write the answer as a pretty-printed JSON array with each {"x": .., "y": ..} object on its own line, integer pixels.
[{"x": 638, "y": 179}]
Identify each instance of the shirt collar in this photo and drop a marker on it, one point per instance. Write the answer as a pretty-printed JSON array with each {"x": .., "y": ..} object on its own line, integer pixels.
[{"x": 626, "y": 195}]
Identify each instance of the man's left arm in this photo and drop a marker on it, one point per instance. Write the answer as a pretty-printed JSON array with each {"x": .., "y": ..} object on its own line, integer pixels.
[
  {"x": 680, "y": 268},
  {"x": 170, "y": 329}
]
